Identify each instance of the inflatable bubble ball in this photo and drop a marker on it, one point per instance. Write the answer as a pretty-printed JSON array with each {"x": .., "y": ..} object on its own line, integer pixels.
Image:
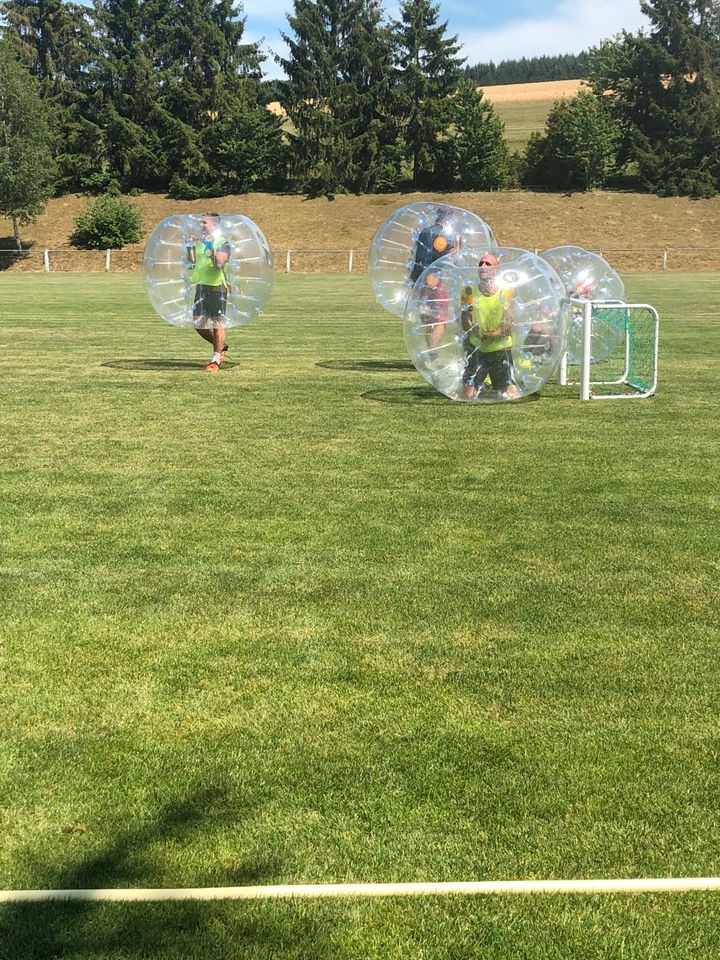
[
  {"x": 188, "y": 257},
  {"x": 487, "y": 328},
  {"x": 587, "y": 276},
  {"x": 414, "y": 237}
]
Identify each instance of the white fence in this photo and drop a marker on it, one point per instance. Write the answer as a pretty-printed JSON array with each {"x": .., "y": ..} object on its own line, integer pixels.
[{"x": 305, "y": 260}]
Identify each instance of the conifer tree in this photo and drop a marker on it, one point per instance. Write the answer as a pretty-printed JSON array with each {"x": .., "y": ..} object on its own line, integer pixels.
[
  {"x": 427, "y": 72},
  {"x": 131, "y": 115},
  {"x": 218, "y": 135},
  {"x": 55, "y": 41},
  {"x": 480, "y": 154},
  {"x": 663, "y": 88},
  {"x": 337, "y": 82}
]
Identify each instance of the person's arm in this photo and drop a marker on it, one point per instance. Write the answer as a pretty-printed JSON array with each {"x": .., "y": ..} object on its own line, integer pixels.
[
  {"x": 190, "y": 248},
  {"x": 503, "y": 329},
  {"x": 221, "y": 256},
  {"x": 466, "y": 310}
]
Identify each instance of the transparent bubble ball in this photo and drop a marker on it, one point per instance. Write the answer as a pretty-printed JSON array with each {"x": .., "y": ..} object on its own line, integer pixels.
[
  {"x": 587, "y": 276},
  {"x": 168, "y": 270},
  {"x": 491, "y": 336},
  {"x": 412, "y": 238}
]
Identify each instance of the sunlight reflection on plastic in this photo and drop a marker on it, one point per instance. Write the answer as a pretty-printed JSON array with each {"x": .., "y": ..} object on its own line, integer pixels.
[
  {"x": 487, "y": 333},
  {"x": 171, "y": 278},
  {"x": 587, "y": 276},
  {"x": 412, "y": 238}
]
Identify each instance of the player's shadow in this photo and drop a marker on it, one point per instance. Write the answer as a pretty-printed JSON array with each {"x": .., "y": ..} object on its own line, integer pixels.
[
  {"x": 64, "y": 929},
  {"x": 151, "y": 363},
  {"x": 362, "y": 366}
]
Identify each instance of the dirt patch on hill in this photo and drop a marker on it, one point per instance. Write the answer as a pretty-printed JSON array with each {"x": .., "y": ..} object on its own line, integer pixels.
[{"x": 631, "y": 229}]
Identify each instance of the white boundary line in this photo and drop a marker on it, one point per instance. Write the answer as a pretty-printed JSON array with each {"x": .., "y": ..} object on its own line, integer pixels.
[{"x": 318, "y": 890}]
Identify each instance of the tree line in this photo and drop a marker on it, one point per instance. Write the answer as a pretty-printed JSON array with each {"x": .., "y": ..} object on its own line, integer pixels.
[
  {"x": 566, "y": 66},
  {"x": 167, "y": 95}
]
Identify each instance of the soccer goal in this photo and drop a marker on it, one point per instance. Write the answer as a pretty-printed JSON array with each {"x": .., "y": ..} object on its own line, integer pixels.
[{"x": 613, "y": 350}]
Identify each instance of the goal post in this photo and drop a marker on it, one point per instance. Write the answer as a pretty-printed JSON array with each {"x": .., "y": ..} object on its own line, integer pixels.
[{"x": 616, "y": 354}]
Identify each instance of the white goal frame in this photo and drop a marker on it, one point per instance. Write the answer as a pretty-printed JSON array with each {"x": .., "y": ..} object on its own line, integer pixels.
[{"x": 585, "y": 381}]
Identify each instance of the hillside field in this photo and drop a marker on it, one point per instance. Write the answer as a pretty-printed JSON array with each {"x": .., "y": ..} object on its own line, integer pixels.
[
  {"x": 523, "y": 107},
  {"x": 632, "y": 229}
]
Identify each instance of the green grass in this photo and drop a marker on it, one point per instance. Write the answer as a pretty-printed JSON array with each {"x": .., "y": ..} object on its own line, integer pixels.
[
  {"x": 307, "y": 621},
  {"x": 521, "y": 119}
]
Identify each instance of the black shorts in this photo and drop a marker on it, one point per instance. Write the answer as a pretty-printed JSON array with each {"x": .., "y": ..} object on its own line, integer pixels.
[
  {"x": 497, "y": 364},
  {"x": 209, "y": 301}
]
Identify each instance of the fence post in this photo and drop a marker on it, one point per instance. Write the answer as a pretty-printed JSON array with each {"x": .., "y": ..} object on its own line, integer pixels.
[
  {"x": 107, "y": 261},
  {"x": 46, "y": 260},
  {"x": 350, "y": 261},
  {"x": 287, "y": 262},
  {"x": 664, "y": 266}
]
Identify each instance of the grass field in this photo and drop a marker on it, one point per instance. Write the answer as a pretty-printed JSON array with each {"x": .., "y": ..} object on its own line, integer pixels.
[
  {"x": 524, "y": 107},
  {"x": 307, "y": 621}
]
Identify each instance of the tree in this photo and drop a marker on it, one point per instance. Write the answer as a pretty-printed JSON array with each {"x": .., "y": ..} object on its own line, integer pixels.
[
  {"x": 129, "y": 90},
  {"x": 427, "y": 72},
  {"x": 26, "y": 164},
  {"x": 337, "y": 69},
  {"x": 663, "y": 88},
  {"x": 578, "y": 149},
  {"x": 54, "y": 39},
  {"x": 217, "y": 134},
  {"x": 480, "y": 154}
]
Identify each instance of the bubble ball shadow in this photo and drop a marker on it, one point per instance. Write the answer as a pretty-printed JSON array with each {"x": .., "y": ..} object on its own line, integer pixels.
[
  {"x": 428, "y": 396},
  {"x": 363, "y": 365},
  {"x": 62, "y": 929}
]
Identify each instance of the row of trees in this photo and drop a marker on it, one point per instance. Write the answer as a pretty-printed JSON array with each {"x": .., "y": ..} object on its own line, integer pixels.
[
  {"x": 566, "y": 66},
  {"x": 166, "y": 95}
]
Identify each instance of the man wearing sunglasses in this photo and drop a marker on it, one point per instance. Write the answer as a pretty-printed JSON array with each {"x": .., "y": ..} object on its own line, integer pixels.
[{"x": 487, "y": 323}]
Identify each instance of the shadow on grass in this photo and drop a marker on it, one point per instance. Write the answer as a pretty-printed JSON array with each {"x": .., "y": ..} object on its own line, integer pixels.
[
  {"x": 426, "y": 395},
  {"x": 363, "y": 365},
  {"x": 212, "y": 930},
  {"x": 159, "y": 364},
  {"x": 9, "y": 254}
]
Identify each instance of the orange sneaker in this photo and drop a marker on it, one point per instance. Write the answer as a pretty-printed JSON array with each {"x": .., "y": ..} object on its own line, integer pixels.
[{"x": 213, "y": 366}]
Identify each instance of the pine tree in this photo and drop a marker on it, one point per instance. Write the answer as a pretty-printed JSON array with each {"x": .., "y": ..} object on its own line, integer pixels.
[
  {"x": 26, "y": 165},
  {"x": 664, "y": 90},
  {"x": 55, "y": 41},
  {"x": 337, "y": 70},
  {"x": 219, "y": 137},
  {"x": 480, "y": 154},
  {"x": 427, "y": 73},
  {"x": 130, "y": 113}
]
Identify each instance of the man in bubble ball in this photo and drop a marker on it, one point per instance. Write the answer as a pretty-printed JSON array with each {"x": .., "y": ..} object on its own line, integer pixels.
[
  {"x": 208, "y": 256},
  {"x": 432, "y": 243},
  {"x": 487, "y": 322}
]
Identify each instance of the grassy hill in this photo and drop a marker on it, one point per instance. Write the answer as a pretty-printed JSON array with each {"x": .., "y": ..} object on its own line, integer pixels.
[
  {"x": 623, "y": 223},
  {"x": 524, "y": 107}
]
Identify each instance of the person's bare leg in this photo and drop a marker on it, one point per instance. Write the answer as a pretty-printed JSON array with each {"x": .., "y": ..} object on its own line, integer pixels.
[
  {"x": 202, "y": 332},
  {"x": 218, "y": 337}
]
